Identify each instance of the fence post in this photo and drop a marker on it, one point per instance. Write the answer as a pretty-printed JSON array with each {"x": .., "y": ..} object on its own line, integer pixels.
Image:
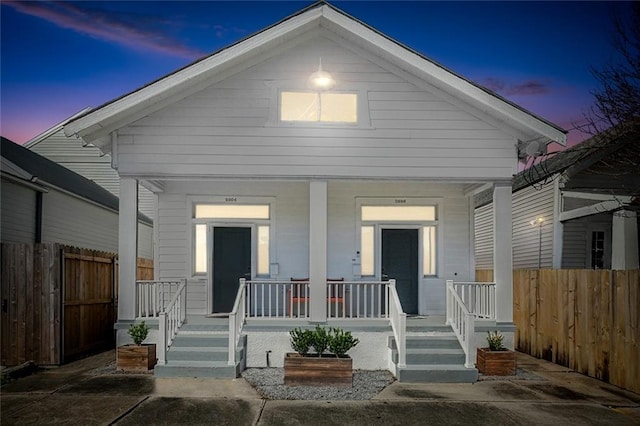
[{"x": 449, "y": 313}]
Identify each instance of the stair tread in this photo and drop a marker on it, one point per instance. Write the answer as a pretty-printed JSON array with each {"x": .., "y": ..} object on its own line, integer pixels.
[
  {"x": 203, "y": 364},
  {"x": 447, "y": 351},
  {"x": 199, "y": 348},
  {"x": 437, "y": 367}
]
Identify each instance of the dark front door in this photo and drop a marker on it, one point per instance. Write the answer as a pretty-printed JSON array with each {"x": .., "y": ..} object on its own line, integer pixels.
[
  {"x": 231, "y": 261},
  {"x": 400, "y": 262}
]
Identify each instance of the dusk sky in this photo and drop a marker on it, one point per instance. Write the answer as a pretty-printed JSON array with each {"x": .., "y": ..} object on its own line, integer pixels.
[{"x": 59, "y": 57}]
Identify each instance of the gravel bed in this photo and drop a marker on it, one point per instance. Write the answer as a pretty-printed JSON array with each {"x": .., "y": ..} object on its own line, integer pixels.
[{"x": 269, "y": 382}]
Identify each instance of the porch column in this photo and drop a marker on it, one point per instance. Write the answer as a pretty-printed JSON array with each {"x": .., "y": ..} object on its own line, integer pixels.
[
  {"x": 127, "y": 248},
  {"x": 624, "y": 240},
  {"x": 502, "y": 252},
  {"x": 318, "y": 251}
]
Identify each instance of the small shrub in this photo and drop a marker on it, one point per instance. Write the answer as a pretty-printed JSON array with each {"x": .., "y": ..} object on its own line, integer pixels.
[
  {"x": 320, "y": 340},
  {"x": 138, "y": 332},
  {"x": 301, "y": 340},
  {"x": 341, "y": 341},
  {"x": 495, "y": 341}
]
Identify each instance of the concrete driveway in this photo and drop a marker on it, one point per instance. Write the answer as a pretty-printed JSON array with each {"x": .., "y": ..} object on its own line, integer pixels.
[{"x": 87, "y": 393}]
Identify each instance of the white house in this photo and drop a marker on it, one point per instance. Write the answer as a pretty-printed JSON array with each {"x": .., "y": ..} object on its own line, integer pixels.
[
  {"x": 322, "y": 150},
  {"x": 576, "y": 210},
  {"x": 45, "y": 202}
]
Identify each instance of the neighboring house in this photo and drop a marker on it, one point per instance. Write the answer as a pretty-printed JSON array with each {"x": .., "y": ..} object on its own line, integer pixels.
[
  {"x": 267, "y": 167},
  {"x": 45, "y": 202},
  {"x": 86, "y": 160},
  {"x": 577, "y": 209}
]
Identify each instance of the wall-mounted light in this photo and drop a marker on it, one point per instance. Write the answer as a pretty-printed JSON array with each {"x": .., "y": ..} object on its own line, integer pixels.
[
  {"x": 321, "y": 80},
  {"x": 539, "y": 221}
]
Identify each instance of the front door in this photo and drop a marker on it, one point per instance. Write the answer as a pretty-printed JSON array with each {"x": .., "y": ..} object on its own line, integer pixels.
[
  {"x": 400, "y": 262},
  {"x": 231, "y": 261}
]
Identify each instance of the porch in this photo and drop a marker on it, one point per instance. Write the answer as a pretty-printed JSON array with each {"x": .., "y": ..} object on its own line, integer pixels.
[{"x": 434, "y": 348}]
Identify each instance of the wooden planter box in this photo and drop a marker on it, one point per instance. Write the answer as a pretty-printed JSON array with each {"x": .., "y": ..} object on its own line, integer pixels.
[
  {"x": 327, "y": 370},
  {"x": 134, "y": 358},
  {"x": 496, "y": 363}
]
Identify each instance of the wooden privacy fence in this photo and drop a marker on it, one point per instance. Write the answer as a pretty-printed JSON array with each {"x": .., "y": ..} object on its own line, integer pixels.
[
  {"x": 586, "y": 320},
  {"x": 58, "y": 302}
]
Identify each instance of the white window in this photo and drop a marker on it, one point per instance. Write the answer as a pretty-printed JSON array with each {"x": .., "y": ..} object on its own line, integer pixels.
[
  {"x": 375, "y": 216},
  {"x": 319, "y": 107},
  {"x": 207, "y": 214}
]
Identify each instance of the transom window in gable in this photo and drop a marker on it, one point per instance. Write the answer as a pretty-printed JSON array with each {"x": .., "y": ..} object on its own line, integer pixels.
[{"x": 318, "y": 107}]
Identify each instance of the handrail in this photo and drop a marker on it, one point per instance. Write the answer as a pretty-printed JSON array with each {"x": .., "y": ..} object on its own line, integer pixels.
[
  {"x": 462, "y": 322},
  {"x": 236, "y": 321},
  {"x": 398, "y": 321},
  {"x": 170, "y": 320}
]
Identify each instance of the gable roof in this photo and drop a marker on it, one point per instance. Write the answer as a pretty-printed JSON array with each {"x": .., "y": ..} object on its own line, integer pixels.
[
  {"x": 605, "y": 147},
  {"x": 96, "y": 125},
  {"x": 35, "y": 168}
]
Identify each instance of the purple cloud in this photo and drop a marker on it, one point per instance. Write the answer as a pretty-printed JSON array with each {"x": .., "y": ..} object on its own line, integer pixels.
[
  {"x": 108, "y": 27},
  {"x": 525, "y": 88}
]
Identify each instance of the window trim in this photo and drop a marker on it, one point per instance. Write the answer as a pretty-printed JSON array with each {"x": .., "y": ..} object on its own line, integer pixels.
[
  {"x": 379, "y": 225},
  {"x": 364, "y": 117},
  {"x": 218, "y": 222}
]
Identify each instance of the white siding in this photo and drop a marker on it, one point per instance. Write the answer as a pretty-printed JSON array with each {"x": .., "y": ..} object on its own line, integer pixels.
[
  {"x": 528, "y": 204},
  {"x": 145, "y": 240},
  {"x": 483, "y": 224},
  {"x": 230, "y": 128},
  {"x": 18, "y": 213},
  {"x": 89, "y": 162},
  {"x": 72, "y": 221}
]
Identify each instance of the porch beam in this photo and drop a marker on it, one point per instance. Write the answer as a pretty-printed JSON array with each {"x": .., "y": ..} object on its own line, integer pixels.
[
  {"x": 603, "y": 207},
  {"x": 318, "y": 251},
  {"x": 127, "y": 248},
  {"x": 502, "y": 252}
]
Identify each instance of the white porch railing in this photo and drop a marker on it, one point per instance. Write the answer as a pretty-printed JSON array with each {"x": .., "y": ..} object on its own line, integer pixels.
[
  {"x": 236, "y": 321},
  {"x": 479, "y": 298},
  {"x": 170, "y": 320},
  {"x": 398, "y": 321},
  {"x": 291, "y": 299},
  {"x": 465, "y": 303},
  {"x": 152, "y": 297}
]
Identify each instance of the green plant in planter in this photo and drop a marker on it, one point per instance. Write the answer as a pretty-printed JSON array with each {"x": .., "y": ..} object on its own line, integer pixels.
[
  {"x": 301, "y": 340},
  {"x": 138, "y": 332},
  {"x": 321, "y": 339},
  {"x": 341, "y": 341},
  {"x": 495, "y": 341}
]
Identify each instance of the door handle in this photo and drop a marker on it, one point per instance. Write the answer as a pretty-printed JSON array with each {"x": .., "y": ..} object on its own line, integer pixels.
[{"x": 385, "y": 277}]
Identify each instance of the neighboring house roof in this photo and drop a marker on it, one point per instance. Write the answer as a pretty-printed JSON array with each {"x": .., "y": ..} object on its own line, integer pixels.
[
  {"x": 95, "y": 126},
  {"x": 612, "y": 155},
  {"x": 37, "y": 168},
  {"x": 53, "y": 130}
]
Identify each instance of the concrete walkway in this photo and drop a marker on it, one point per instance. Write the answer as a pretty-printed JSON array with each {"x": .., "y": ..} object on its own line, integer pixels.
[{"x": 83, "y": 393}]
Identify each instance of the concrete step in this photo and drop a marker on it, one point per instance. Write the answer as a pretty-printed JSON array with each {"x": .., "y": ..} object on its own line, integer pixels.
[
  {"x": 435, "y": 373},
  {"x": 218, "y": 369},
  {"x": 444, "y": 340},
  {"x": 197, "y": 354},
  {"x": 427, "y": 327},
  {"x": 194, "y": 340},
  {"x": 437, "y": 356},
  {"x": 205, "y": 327}
]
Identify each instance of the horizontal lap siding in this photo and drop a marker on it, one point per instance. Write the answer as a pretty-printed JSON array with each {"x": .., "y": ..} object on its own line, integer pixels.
[
  {"x": 89, "y": 162},
  {"x": 18, "y": 213},
  {"x": 528, "y": 204},
  {"x": 483, "y": 226},
  {"x": 229, "y": 128},
  {"x": 71, "y": 221}
]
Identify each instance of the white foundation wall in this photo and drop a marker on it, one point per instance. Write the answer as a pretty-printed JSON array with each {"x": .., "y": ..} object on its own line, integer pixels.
[{"x": 370, "y": 354}]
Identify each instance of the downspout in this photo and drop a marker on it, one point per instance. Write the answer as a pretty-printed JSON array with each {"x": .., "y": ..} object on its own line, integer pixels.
[
  {"x": 558, "y": 228},
  {"x": 38, "y": 218}
]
